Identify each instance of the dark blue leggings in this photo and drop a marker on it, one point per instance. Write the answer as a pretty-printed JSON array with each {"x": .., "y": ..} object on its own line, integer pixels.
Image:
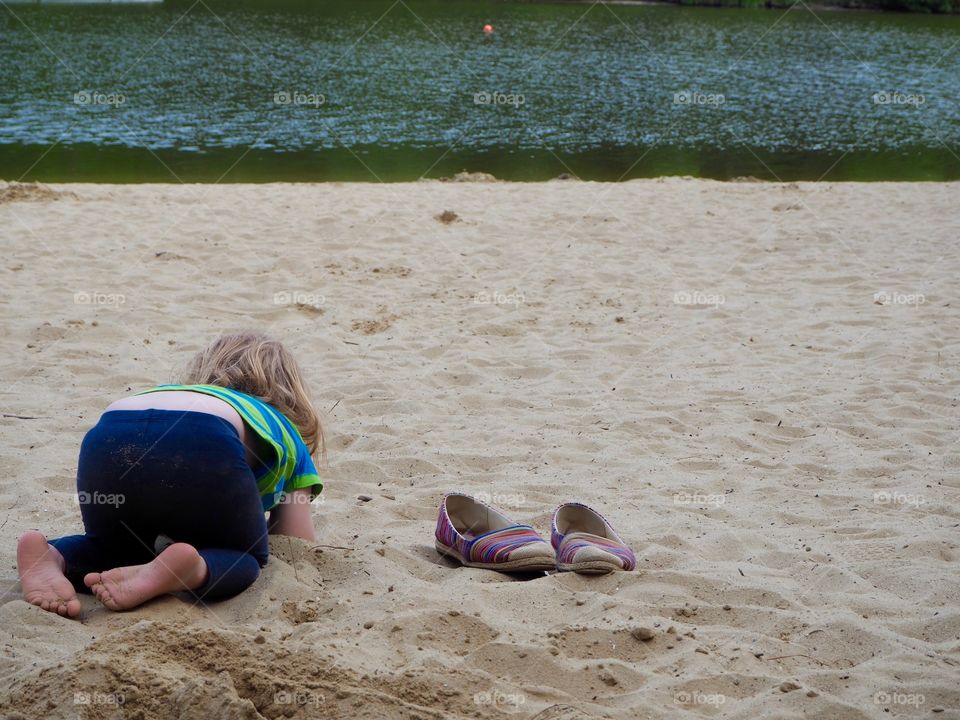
[{"x": 149, "y": 474}]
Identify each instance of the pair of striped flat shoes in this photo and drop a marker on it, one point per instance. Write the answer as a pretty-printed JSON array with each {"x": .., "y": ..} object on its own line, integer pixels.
[{"x": 478, "y": 535}]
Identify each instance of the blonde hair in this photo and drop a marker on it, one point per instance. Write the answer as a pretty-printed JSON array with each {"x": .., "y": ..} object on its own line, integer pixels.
[{"x": 260, "y": 366}]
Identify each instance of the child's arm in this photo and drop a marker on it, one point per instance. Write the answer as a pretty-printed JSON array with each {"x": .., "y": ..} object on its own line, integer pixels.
[{"x": 292, "y": 516}]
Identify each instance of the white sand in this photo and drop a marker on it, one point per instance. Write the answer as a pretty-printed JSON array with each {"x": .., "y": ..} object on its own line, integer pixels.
[{"x": 782, "y": 455}]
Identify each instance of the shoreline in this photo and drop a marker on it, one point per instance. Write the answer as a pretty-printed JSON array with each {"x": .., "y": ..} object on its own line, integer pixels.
[{"x": 12, "y": 191}]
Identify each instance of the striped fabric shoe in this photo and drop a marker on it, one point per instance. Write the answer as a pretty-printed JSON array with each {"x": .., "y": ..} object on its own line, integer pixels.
[
  {"x": 480, "y": 536},
  {"x": 585, "y": 542}
]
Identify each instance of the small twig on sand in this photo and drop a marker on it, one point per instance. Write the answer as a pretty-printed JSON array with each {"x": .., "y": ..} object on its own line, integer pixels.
[
  {"x": 293, "y": 555},
  {"x": 809, "y": 657},
  {"x": 7, "y": 518},
  {"x": 334, "y": 406},
  {"x": 24, "y": 417},
  {"x": 334, "y": 547}
]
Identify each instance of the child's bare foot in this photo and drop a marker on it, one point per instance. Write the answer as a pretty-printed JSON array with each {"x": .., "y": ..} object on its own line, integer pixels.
[
  {"x": 177, "y": 568},
  {"x": 41, "y": 576}
]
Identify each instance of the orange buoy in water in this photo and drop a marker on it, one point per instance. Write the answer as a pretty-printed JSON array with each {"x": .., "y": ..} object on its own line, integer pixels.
[{"x": 488, "y": 29}]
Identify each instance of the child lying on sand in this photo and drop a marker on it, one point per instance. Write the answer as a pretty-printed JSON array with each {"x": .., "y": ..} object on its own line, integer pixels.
[{"x": 174, "y": 482}]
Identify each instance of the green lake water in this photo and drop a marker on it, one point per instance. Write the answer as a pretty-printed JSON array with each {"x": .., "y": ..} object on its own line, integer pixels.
[{"x": 231, "y": 91}]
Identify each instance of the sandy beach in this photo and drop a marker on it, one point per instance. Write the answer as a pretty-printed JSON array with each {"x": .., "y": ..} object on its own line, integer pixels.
[{"x": 756, "y": 383}]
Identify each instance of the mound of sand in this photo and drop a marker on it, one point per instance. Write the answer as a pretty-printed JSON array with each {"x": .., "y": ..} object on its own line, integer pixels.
[{"x": 28, "y": 192}]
